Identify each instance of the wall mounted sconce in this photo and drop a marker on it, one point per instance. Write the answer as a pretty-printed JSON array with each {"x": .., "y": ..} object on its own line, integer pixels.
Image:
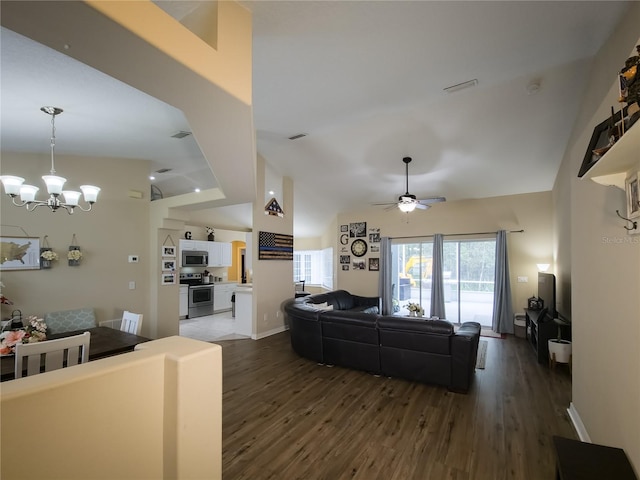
[{"x": 543, "y": 267}]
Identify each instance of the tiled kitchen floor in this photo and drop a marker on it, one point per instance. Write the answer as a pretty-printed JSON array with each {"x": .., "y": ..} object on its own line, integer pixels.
[{"x": 220, "y": 326}]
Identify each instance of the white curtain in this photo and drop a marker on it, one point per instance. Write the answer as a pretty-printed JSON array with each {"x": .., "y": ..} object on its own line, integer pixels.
[
  {"x": 502, "y": 308},
  {"x": 437, "y": 282},
  {"x": 385, "y": 288}
]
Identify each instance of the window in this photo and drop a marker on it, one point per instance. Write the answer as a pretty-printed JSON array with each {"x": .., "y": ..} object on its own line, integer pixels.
[
  {"x": 468, "y": 270},
  {"x": 315, "y": 267}
]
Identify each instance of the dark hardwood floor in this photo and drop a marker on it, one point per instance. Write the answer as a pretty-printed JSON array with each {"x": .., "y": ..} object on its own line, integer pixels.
[{"x": 285, "y": 417}]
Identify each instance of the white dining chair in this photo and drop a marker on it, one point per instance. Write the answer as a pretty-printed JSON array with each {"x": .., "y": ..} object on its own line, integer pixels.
[
  {"x": 58, "y": 353},
  {"x": 131, "y": 322}
]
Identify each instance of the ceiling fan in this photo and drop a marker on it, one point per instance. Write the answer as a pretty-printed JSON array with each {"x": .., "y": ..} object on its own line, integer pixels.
[{"x": 408, "y": 202}]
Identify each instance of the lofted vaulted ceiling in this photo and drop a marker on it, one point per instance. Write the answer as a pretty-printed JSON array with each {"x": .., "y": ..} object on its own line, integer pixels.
[{"x": 364, "y": 81}]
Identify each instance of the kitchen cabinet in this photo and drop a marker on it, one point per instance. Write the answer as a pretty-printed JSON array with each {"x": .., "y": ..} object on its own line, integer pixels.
[
  {"x": 222, "y": 293},
  {"x": 184, "y": 301},
  {"x": 219, "y": 254}
]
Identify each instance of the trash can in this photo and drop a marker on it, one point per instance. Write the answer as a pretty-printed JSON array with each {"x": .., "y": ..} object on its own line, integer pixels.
[
  {"x": 233, "y": 305},
  {"x": 519, "y": 325}
]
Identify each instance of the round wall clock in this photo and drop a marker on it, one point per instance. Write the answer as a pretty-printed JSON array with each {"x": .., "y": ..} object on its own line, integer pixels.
[{"x": 359, "y": 247}]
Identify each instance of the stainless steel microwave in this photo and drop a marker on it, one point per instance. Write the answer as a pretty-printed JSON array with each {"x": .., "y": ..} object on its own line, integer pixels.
[{"x": 195, "y": 258}]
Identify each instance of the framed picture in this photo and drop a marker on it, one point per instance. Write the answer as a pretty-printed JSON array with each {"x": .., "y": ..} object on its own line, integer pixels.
[
  {"x": 20, "y": 253},
  {"x": 168, "y": 251},
  {"x": 632, "y": 192},
  {"x": 600, "y": 142},
  {"x": 358, "y": 229},
  {"x": 344, "y": 228},
  {"x": 168, "y": 278},
  {"x": 345, "y": 259},
  {"x": 168, "y": 265},
  {"x": 345, "y": 267},
  {"x": 374, "y": 264}
]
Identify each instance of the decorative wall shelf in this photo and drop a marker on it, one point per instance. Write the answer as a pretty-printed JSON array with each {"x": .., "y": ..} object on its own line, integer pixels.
[{"x": 624, "y": 156}]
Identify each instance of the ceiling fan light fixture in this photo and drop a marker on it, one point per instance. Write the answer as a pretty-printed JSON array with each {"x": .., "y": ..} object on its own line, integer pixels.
[{"x": 407, "y": 207}]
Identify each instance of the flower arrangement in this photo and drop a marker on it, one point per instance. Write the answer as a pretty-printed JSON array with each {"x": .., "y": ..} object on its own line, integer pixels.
[
  {"x": 35, "y": 331},
  {"x": 209, "y": 230},
  {"x": 414, "y": 308},
  {"x": 49, "y": 255},
  {"x": 74, "y": 255}
]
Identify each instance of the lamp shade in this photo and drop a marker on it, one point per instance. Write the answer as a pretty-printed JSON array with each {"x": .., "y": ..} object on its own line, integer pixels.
[
  {"x": 54, "y": 184},
  {"x": 90, "y": 193},
  {"x": 28, "y": 193},
  {"x": 71, "y": 197},
  {"x": 11, "y": 184}
]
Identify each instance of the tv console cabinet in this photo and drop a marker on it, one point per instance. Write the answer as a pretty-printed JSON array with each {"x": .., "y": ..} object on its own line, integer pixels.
[{"x": 540, "y": 328}]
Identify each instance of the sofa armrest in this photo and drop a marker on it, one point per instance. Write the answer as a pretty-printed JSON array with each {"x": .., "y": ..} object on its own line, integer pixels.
[{"x": 464, "y": 350}]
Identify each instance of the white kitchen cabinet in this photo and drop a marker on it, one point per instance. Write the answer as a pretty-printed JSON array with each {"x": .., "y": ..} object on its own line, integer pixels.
[
  {"x": 184, "y": 301},
  {"x": 219, "y": 254},
  {"x": 222, "y": 293}
]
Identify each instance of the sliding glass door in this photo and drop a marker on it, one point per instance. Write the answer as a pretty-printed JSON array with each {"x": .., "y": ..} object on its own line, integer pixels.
[{"x": 468, "y": 278}]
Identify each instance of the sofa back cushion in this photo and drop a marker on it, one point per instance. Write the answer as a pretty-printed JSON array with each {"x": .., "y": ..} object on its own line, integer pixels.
[
  {"x": 340, "y": 299},
  {"x": 432, "y": 336}
]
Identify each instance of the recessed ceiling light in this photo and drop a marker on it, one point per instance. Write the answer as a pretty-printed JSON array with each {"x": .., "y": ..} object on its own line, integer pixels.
[
  {"x": 151, "y": 177},
  {"x": 271, "y": 192},
  {"x": 197, "y": 190}
]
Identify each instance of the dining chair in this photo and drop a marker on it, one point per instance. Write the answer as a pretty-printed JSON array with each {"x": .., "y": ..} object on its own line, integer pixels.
[
  {"x": 58, "y": 353},
  {"x": 131, "y": 322}
]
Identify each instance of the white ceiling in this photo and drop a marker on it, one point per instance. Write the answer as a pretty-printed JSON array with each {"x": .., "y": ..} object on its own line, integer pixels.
[{"x": 364, "y": 80}]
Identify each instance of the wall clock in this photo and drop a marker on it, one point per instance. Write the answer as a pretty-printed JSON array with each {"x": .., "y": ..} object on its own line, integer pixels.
[{"x": 359, "y": 247}]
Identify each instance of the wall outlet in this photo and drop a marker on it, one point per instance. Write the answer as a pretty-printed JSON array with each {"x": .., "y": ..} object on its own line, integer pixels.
[
  {"x": 523, "y": 279},
  {"x": 133, "y": 258}
]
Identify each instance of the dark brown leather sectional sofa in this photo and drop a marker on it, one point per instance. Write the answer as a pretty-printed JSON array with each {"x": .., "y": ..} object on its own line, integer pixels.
[{"x": 354, "y": 335}]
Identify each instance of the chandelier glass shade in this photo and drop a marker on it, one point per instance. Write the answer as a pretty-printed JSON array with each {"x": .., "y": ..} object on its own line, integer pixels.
[
  {"x": 407, "y": 207},
  {"x": 14, "y": 186}
]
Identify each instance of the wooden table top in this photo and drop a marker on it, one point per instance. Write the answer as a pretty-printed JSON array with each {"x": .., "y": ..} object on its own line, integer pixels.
[{"x": 105, "y": 342}]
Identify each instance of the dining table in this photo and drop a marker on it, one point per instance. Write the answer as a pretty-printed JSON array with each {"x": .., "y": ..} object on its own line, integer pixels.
[{"x": 104, "y": 342}]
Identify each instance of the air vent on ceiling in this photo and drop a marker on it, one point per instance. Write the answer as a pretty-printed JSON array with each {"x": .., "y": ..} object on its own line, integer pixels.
[
  {"x": 461, "y": 86},
  {"x": 300, "y": 135},
  {"x": 181, "y": 134},
  {"x": 163, "y": 170}
]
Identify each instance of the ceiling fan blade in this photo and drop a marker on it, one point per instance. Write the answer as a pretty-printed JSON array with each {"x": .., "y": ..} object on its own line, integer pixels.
[
  {"x": 428, "y": 200},
  {"x": 385, "y": 203},
  {"x": 421, "y": 206}
]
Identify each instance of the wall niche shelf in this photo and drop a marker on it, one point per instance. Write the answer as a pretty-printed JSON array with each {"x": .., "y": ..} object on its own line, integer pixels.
[{"x": 622, "y": 157}]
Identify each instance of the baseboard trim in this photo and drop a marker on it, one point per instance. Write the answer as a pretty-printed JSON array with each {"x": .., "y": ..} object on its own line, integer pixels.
[
  {"x": 577, "y": 423},
  {"x": 268, "y": 333}
]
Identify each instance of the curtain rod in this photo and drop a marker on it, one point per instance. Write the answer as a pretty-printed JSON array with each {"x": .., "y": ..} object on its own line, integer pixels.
[{"x": 455, "y": 234}]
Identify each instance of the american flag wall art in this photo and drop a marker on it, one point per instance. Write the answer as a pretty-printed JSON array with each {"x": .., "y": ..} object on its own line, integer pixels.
[{"x": 275, "y": 246}]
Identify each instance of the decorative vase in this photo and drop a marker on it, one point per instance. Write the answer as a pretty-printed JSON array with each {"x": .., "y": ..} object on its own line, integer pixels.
[
  {"x": 413, "y": 313},
  {"x": 211, "y": 237}
]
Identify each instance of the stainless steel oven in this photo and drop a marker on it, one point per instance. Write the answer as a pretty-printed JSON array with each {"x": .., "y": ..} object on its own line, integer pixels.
[{"x": 200, "y": 300}]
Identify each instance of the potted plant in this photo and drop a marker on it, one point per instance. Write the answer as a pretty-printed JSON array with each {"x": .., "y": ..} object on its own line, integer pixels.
[{"x": 559, "y": 349}]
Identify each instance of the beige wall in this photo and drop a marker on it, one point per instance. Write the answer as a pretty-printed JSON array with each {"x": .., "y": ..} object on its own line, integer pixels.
[
  {"x": 272, "y": 279},
  {"x": 531, "y": 212},
  {"x": 153, "y": 413},
  {"x": 117, "y": 226},
  {"x": 605, "y": 269}
]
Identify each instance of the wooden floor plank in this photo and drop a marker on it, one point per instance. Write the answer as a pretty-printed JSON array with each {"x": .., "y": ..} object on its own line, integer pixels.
[{"x": 285, "y": 417}]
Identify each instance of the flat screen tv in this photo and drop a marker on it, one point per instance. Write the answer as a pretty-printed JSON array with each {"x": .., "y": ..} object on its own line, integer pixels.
[{"x": 547, "y": 292}]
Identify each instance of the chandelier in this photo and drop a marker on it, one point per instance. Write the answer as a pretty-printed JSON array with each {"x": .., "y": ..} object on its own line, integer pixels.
[{"x": 14, "y": 186}]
